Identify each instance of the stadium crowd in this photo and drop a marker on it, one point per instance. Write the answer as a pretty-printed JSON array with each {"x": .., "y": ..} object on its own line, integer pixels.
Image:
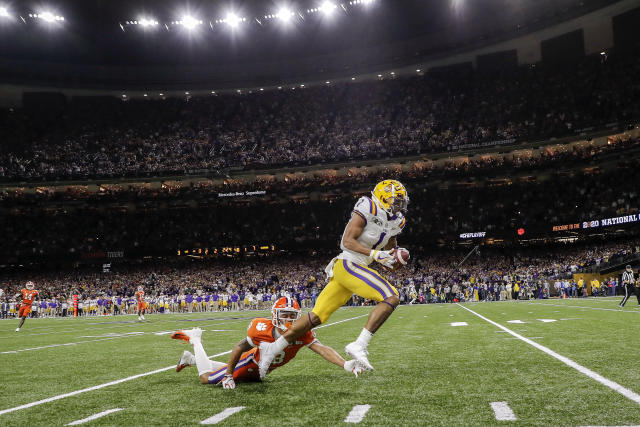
[
  {"x": 338, "y": 122},
  {"x": 435, "y": 212},
  {"x": 493, "y": 275}
]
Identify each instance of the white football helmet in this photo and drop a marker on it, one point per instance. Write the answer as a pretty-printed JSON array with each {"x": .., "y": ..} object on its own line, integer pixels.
[{"x": 30, "y": 286}]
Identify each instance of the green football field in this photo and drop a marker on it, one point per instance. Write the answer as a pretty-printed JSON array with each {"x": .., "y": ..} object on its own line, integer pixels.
[{"x": 551, "y": 363}]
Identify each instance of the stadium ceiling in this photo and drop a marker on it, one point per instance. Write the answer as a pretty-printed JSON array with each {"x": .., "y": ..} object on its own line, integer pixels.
[{"x": 182, "y": 32}]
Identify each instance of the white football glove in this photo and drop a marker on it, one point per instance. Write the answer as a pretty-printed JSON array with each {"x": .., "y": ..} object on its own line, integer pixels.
[
  {"x": 353, "y": 367},
  {"x": 228, "y": 382},
  {"x": 385, "y": 258}
]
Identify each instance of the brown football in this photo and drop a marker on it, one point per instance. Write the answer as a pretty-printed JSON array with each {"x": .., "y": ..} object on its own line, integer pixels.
[{"x": 402, "y": 256}]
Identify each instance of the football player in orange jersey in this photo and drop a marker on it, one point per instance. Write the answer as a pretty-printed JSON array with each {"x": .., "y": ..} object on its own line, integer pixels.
[
  {"x": 28, "y": 295},
  {"x": 243, "y": 362},
  {"x": 142, "y": 306}
]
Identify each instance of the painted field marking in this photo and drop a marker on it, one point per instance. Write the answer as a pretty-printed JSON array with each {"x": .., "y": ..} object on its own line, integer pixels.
[
  {"x": 502, "y": 411},
  {"x": 459, "y": 324},
  {"x": 583, "y": 308},
  {"x": 94, "y": 417},
  {"x": 547, "y": 320},
  {"x": 357, "y": 414},
  {"x": 97, "y": 387},
  {"x": 629, "y": 394},
  {"x": 515, "y": 321},
  {"x": 222, "y": 415}
]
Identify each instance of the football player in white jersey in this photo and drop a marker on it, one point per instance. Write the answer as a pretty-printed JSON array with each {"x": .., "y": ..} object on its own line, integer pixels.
[{"x": 369, "y": 236}]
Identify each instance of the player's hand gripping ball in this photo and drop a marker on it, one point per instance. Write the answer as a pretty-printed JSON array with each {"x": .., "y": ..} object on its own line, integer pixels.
[{"x": 401, "y": 257}]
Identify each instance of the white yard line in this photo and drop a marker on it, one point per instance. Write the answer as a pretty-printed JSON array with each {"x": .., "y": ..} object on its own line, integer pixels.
[
  {"x": 459, "y": 324},
  {"x": 502, "y": 411},
  {"x": 619, "y": 310},
  {"x": 222, "y": 415},
  {"x": 94, "y": 417},
  {"x": 629, "y": 394},
  {"x": 357, "y": 414},
  {"x": 97, "y": 387}
]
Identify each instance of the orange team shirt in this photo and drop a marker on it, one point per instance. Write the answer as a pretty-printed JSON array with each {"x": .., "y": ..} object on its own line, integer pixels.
[
  {"x": 28, "y": 296},
  {"x": 140, "y": 296},
  {"x": 262, "y": 330}
]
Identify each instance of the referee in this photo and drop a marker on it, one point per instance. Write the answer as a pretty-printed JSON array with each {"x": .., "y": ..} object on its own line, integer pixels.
[{"x": 629, "y": 286}]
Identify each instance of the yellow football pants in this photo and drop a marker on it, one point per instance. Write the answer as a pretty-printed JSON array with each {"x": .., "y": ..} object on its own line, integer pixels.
[{"x": 348, "y": 279}]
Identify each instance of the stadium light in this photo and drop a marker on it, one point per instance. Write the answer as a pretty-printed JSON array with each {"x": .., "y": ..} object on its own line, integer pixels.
[
  {"x": 233, "y": 20},
  {"x": 189, "y": 22},
  {"x": 47, "y": 16},
  {"x": 147, "y": 22},
  {"x": 327, "y": 7},
  {"x": 4, "y": 13},
  {"x": 285, "y": 14}
]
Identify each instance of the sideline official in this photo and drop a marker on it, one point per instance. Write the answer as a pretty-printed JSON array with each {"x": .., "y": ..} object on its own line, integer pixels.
[{"x": 629, "y": 284}]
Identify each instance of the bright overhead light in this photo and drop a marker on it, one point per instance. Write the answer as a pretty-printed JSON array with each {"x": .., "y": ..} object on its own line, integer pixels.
[
  {"x": 46, "y": 16},
  {"x": 285, "y": 14},
  {"x": 147, "y": 22},
  {"x": 162, "y": 94},
  {"x": 233, "y": 20},
  {"x": 327, "y": 7},
  {"x": 418, "y": 70},
  {"x": 4, "y": 13},
  {"x": 189, "y": 22}
]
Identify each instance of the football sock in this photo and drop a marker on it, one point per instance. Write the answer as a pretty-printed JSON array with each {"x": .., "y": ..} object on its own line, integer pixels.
[
  {"x": 364, "y": 338},
  {"x": 202, "y": 361}
]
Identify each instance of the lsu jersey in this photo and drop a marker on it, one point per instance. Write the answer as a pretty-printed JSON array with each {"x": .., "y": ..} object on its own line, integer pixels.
[
  {"x": 378, "y": 229},
  {"x": 262, "y": 330},
  {"x": 140, "y": 296},
  {"x": 28, "y": 296}
]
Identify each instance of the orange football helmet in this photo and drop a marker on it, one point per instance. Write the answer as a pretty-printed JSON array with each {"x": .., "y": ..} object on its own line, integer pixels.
[{"x": 285, "y": 306}]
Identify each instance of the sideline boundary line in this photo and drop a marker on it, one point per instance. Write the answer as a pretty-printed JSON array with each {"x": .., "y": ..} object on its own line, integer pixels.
[
  {"x": 97, "y": 387},
  {"x": 629, "y": 394},
  {"x": 619, "y": 310}
]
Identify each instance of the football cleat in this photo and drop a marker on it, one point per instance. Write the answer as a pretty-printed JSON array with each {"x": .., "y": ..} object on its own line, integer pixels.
[
  {"x": 187, "y": 359},
  {"x": 359, "y": 353},
  {"x": 17, "y": 329},
  {"x": 187, "y": 334}
]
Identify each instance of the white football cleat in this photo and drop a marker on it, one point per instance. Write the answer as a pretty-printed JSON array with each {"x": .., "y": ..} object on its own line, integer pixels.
[
  {"x": 187, "y": 359},
  {"x": 359, "y": 353},
  {"x": 142, "y": 317},
  {"x": 17, "y": 329},
  {"x": 139, "y": 318}
]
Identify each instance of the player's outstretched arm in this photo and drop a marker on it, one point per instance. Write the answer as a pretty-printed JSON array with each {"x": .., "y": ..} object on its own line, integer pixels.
[
  {"x": 330, "y": 355},
  {"x": 236, "y": 353}
]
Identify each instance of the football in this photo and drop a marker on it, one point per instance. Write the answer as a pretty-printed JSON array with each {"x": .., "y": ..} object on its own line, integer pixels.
[{"x": 401, "y": 256}]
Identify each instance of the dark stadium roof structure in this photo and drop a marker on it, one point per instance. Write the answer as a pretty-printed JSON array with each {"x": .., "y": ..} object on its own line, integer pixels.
[{"x": 91, "y": 32}]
